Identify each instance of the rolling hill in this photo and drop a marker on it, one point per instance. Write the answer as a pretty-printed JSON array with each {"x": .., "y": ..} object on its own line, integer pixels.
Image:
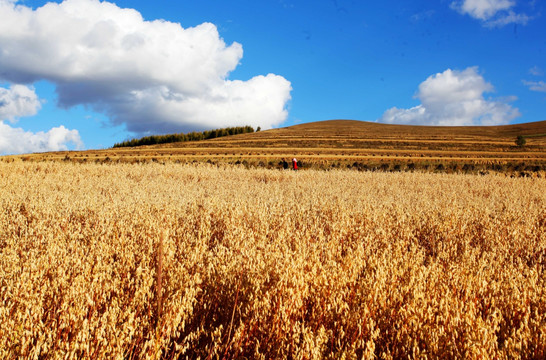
[{"x": 350, "y": 143}]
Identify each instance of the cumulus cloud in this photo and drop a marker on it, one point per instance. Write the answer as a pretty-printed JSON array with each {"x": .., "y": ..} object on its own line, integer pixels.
[
  {"x": 257, "y": 101},
  {"x": 149, "y": 75},
  {"x": 454, "y": 98},
  {"x": 20, "y": 101},
  {"x": 18, "y": 141},
  {"x": 482, "y": 9},
  {"x": 493, "y": 13}
]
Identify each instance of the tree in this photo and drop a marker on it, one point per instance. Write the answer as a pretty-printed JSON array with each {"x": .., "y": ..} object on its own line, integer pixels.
[{"x": 520, "y": 141}]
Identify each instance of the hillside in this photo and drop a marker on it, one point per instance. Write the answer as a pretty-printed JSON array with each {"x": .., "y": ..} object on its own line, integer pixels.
[
  {"x": 362, "y": 135},
  {"x": 341, "y": 143}
]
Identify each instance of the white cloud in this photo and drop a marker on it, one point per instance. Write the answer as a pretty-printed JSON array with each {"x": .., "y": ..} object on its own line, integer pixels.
[
  {"x": 454, "y": 98},
  {"x": 18, "y": 101},
  {"x": 493, "y": 13},
  {"x": 18, "y": 141},
  {"x": 535, "y": 85},
  {"x": 149, "y": 75},
  {"x": 509, "y": 18},
  {"x": 233, "y": 102},
  {"x": 482, "y": 9}
]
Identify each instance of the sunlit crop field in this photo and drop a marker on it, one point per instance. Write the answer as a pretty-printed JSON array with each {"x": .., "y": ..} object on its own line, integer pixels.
[
  {"x": 172, "y": 261},
  {"x": 359, "y": 145}
]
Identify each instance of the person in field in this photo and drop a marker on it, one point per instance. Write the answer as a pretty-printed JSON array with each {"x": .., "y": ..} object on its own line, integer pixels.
[
  {"x": 294, "y": 164},
  {"x": 284, "y": 164}
]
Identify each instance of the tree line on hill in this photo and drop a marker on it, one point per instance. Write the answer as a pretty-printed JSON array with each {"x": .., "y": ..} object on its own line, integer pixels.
[{"x": 192, "y": 136}]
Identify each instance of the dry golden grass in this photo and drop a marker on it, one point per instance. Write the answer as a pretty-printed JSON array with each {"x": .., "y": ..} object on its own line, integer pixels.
[
  {"x": 343, "y": 143},
  {"x": 168, "y": 261}
]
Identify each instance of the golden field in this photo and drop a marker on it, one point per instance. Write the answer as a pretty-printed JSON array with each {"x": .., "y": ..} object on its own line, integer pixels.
[
  {"x": 135, "y": 261},
  {"x": 349, "y": 143}
]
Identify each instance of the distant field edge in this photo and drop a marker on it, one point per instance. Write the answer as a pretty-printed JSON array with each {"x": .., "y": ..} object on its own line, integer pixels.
[{"x": 348, "y": 144}]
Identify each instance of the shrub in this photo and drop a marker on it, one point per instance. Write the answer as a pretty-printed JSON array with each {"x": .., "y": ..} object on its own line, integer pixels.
[{"x": 520, "y": 141}]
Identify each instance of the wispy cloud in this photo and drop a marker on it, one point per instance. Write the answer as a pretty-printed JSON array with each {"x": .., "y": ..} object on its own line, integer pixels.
[
  {"x": 423, "y": 15},
  {"x": 535, "y": 85},
  {"x": 536, "y": 71},
  {"x": 151, "y": 76},
  {"x": 454, "y": 98}
]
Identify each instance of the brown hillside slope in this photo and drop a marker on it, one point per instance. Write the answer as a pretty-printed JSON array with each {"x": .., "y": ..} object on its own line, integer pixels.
[
  {"x": 316, "y": 134},
  {"x": 352, "y": 143}
]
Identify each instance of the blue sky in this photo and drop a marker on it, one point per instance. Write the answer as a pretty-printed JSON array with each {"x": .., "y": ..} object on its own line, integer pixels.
[{"x": 85, "y": 74}]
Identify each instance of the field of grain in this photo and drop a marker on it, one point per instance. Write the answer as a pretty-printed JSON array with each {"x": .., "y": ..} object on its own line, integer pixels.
[
  {"x": 134, "y": 261},
  {"x": 351, "y": 144}
]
